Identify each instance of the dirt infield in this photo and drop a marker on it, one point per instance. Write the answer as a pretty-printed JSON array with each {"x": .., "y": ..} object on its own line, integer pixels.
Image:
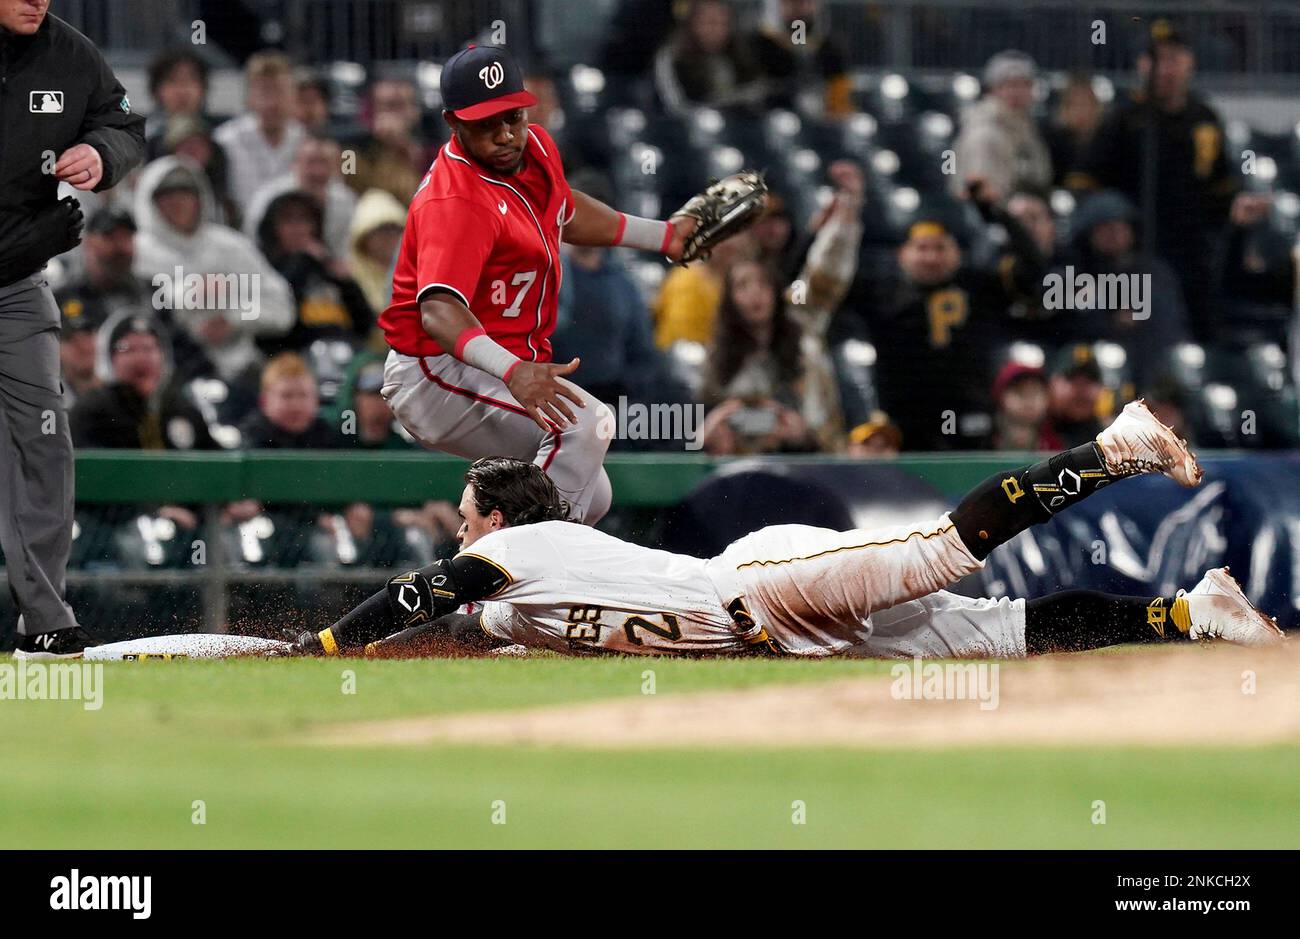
[{"x": 1166, "y": 696}]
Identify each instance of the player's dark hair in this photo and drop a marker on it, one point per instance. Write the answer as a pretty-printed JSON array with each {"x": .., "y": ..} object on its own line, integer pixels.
[
  {"x": 521, "y": 491},
  {"x": 162, "y": 66}
]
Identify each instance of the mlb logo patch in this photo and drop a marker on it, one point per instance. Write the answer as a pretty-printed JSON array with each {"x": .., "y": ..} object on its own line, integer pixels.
[{"x": 47, "y": 102}]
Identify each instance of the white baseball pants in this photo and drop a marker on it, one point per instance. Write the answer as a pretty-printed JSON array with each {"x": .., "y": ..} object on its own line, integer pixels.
[
  {"x": 877, "y": 592},
  {"x": 459, "y": 409}
]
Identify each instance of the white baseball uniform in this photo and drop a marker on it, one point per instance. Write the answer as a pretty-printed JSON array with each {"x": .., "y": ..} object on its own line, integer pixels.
[{"x": 806, "y": 591}]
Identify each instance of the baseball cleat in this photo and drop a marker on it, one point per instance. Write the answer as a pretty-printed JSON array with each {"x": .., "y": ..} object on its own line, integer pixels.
[
  {"x": 1136, "y": 442},
  {"x": 1218, "y": 609}
]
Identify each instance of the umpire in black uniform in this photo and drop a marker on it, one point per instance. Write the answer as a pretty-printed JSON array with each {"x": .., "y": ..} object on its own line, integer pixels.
[{"x": 63, "y": 117}]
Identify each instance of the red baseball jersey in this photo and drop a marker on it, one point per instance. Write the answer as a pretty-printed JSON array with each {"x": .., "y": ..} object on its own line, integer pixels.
[{"x": 493, "y": 241}]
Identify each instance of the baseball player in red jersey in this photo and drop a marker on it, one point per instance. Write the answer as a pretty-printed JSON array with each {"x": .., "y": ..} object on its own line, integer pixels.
[{"x": 476, "y": 283}]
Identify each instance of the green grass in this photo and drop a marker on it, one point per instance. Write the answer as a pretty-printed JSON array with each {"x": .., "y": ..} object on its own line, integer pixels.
[{"x": 226, "y": 733}]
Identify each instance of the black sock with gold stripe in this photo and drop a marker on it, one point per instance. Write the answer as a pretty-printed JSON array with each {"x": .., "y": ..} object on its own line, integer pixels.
[
  {"x": 1006, "y": 504},
  {"x": 1075, "y": 620}
]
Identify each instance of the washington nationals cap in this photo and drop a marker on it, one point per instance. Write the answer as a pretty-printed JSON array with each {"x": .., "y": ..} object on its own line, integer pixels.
[{"x": 480, "y": 81}]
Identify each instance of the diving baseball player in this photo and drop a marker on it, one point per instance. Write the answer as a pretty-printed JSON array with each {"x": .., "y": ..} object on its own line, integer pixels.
[
  {"x": 790, "y": 589},
  {"x": 478, "y": 275}
]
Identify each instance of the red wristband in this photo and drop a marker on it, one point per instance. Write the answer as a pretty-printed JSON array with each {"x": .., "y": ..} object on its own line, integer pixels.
[
  {"x": 465, "y": 336},
  {"x": 669, "y": 231},
  {"x": 622, "y": 227},
  {"x": 510, "y": 371}
]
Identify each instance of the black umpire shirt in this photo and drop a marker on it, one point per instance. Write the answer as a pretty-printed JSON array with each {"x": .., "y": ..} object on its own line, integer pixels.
[{"x": 56, "y": 91}]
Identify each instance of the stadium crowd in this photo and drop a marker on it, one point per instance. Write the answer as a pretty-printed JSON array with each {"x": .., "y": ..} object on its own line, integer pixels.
[{"x": 837, "y": 325}]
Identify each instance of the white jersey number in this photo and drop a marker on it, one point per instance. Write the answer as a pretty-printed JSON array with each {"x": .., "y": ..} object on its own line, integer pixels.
[{"x": 524, "y": 281}]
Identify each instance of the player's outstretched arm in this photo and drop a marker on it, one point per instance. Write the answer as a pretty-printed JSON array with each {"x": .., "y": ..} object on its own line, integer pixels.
[
  {"x": 596, "y": 225},
  {"x": 538, "y": 386},
  {"x": 416, "y": 598}
]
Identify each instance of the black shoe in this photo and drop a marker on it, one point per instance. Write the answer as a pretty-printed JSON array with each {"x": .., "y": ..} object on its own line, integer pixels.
[{"x": 60, "y": 644}]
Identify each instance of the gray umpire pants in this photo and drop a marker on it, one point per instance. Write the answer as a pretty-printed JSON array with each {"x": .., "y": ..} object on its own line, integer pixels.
[{"x": 36, "y": 471}]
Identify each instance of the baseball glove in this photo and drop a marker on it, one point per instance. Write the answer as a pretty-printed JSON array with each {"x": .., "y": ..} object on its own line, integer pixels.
[{"x": 726, "y": 208}]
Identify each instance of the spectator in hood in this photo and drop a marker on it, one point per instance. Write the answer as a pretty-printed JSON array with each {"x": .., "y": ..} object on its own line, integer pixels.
[
  {"x": 227, "y": 295},
  {"x": 999, "y": 141},
  {"x": 1104, "y": 245},
  {"x": 330, "y": 304},
  {"x": 190, "y": 136},
  {"x": 138, "y": 407},
  {"x": 373, "y": 240},
  {"x": 316, "y": 172},
  {"x": 260, "y": 145}
]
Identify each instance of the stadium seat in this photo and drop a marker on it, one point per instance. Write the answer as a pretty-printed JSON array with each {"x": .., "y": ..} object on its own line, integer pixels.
[
  {"x": 685, "y": 361},
  {"x": 855, "y": 361}
]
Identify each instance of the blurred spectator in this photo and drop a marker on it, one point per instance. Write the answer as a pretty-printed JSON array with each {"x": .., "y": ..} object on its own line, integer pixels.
[
  {"x": 1020, "y": 401},
  {"x": 312, "y": 101},
  {"x": 815, "y": 296},
  {"x": 178, "y": 85},
  {"x": 288, "y": 409},
  {"x": 999, "y": 141},
  {"x": 139, "y": 407},
  {"x": 107, "y": 284},
  {"x": 1169, "y": 404},
  {"x": 543, "y": 82},
  {"x": 757, "y": 377},
  {"x": 1030, "y": 320},
  {"x": 1261, "y": 268},
  {"x": 637, "y": 29},
  {"x": 1105, "y": 246},
  {"x": 373, "y": 239},
  {"x": 182, "y": 253},
  {"x": 776, "y": 238},
  {"x": 1195, "y": 181},
  {"x": 316, "y": 171},
  {"x": 330, "y": 304},
  {"x": 392, "y": 157},
  {"x": 190, "y": 136},
  {"x": 1074, "y": 123},
  {"x": 260, "y": 145},
  {"x": 371, "y": 425},
  {"x": 1075, "y": 393},
  {"x": 687, "y": 304},
  {"x": 77, "y": 358},
  {"x": 548, "y": 112},
  {"x": 705, "y": 63},
  {"x": 110, "y": 285},
  {"x": 876, "y": 437},
  {"x": 803, "y": 66},
  {"x": 937, "y": 323},
  {"x": 603, "y": 321}
]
